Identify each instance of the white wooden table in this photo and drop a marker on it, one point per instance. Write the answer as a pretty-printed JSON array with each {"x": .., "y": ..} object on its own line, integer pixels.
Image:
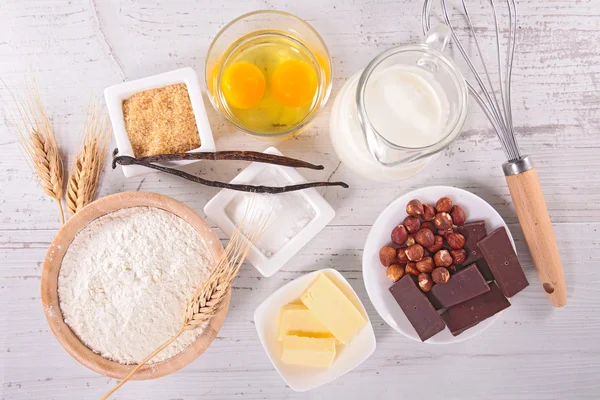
[{"x": 79, "y": 47}]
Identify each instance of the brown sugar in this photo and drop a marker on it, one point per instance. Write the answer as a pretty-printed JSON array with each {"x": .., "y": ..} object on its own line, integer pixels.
[{"x": 161, "y": 121}]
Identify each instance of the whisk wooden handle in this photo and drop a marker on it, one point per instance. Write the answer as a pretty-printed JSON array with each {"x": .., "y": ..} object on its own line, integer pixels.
[{"x": 532, "y": 212}]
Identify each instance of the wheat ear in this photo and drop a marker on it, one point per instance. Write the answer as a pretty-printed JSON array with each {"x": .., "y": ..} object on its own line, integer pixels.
[
  {"x": 207, "y": 301},
  {"x": 38, "y": 143},
  {"x": 87, "y": 166}
]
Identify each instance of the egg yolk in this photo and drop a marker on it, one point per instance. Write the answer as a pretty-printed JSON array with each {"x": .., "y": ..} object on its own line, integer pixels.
[
  {"x": 243, "y": 85},
  {"x": 294, "y": 83}
]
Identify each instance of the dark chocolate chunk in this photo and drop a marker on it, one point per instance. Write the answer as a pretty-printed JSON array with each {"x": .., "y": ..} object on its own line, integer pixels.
[
  {"x": 469, "y": 313},
  {"x": 462, "y": 286},
  {"x": 419, "y": 311},
  {"x": 433, "y": 301},
  {"x": 473, "y": 233},
  {"x": 503, "y": 262}
]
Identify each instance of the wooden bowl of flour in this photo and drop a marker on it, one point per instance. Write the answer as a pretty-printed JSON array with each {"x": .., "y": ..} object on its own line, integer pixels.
[{"x": 52, "y": 265}]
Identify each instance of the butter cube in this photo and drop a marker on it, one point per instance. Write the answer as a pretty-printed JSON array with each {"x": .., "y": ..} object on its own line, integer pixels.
[
  {"x": 333, "y": 309},
  {"x": 308, "y": 351},
  {"x": 297, "y": 320}
]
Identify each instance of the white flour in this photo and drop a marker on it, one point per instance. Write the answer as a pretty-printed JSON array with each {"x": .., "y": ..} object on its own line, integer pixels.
[
  {"x": 125, "y": 279},
  {"x": 288, "y": 213}
]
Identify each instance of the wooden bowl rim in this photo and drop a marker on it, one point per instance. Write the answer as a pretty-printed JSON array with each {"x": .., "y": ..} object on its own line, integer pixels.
[{"x": 49, "y": 284}]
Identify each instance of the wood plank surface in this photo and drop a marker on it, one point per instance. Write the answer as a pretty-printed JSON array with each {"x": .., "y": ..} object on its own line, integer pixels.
[{"x": 77, "y": 48}]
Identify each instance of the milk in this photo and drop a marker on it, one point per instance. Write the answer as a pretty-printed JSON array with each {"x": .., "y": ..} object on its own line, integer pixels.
[{"x": 406, "y": 106}]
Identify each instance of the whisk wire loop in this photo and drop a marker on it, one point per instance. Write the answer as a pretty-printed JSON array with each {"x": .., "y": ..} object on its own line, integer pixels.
[{"x": 483, "y": 90}]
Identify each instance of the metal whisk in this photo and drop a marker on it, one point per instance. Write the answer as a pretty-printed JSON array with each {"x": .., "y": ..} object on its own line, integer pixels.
[{"x": 521, "y": 177}]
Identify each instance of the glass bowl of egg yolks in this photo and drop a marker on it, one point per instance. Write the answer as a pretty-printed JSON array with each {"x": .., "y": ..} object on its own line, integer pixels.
[{"x": 268, "y": 73}]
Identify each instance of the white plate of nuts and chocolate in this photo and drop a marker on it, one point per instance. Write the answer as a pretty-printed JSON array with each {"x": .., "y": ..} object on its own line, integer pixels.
[{"x": 439, "y": 264}]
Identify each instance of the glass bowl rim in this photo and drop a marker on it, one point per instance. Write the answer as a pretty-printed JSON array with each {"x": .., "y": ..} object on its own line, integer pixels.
[{"x": 326, "y": 90}]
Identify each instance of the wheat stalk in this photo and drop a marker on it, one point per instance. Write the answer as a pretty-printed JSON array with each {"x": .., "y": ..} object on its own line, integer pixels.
[
  {"x": 38, "y": 143},
  {"x": 207, "y": 301},
  {"x": 87, "y": 166}
]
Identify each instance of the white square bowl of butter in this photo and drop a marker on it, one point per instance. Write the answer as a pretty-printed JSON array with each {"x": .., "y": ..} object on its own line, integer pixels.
[{"x": 353, "y": 342}]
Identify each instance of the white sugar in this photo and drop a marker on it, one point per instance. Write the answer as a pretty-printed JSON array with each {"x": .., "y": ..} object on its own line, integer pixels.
[{"x": 289, "y": 212}]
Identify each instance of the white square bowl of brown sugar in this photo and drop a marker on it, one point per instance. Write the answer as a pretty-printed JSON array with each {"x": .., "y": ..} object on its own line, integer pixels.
[{"x": 159, "y": 114}]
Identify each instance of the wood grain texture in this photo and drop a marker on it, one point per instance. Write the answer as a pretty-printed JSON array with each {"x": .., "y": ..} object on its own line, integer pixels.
[
  {"x": 78, "y": 48},
  {"x": 530, "y": 206}
]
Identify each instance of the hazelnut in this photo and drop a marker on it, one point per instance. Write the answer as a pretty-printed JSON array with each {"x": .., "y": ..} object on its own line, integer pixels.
[
  {"x": 439, "y": 275},
  {"x": 437, "y": 245},
  {"x": 414, "y": 252},
  {"x": 443, "y": 205},
  {"x": 399, "y": 235},
  {"x": 394, "y": 272},
  {"x": 410, "y": 241},
  {"x": 426, "y": 253},
  {"x": 412, "y": 224},
  {"x": 401, "y": 256},
  {"x": 458, "y": 256},
  {"x": 387, "y": 255},
  {"x": 425, "y": 237},
  {"x": 455, "y": 240},
  {"x": 428, "y": 225},
  {"x": 411, "y": 269},
  {"x": 445, "y": 232},
  {"x": 442, "y": 258},
  {"x": 425, "y": 265},
  {"x": 458, "y": 215},
  {"x": 414, "y": 208},
  {"x": 425, "y": 282},
  {"x": 442, "y": 221},
  {"x": 428, "y": 212}
]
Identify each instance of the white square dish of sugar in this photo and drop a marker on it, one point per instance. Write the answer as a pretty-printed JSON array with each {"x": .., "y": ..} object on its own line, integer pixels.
[
  {"x": 116, "y": 95},
  {"x": 294, "y": 218}
]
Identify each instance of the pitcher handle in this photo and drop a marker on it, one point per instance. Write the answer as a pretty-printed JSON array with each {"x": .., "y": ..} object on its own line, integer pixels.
[{"x": 438, "y": 37}]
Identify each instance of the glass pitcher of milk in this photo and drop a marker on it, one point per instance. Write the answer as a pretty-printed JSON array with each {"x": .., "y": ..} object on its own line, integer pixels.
[{"x": 391, "y": 119}]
